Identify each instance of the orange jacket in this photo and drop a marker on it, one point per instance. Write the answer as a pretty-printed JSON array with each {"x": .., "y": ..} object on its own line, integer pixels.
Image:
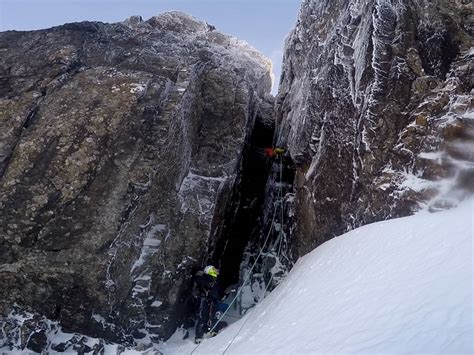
[{"x": 274, "y": 152}]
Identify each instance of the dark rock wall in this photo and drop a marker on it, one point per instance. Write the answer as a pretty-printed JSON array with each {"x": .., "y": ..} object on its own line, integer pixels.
[
  {"x": 120, "y": 145},
  {"x": 375, "y": 107},
  {"x": 241, "y": 222}
]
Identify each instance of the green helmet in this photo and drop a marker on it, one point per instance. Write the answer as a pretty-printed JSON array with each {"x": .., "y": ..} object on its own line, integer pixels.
[{"x": 211, "y": 271}]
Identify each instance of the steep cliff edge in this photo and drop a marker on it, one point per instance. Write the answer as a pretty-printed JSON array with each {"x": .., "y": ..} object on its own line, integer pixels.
[
  {"x": 376, "y": 109},
  {"x": 120, "y": 145}
]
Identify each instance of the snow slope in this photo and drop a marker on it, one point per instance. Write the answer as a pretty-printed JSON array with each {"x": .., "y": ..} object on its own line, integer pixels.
[{"x": 398, "y": 286}]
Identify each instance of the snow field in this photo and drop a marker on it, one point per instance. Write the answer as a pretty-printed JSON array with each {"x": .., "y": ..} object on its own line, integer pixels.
[{"x": 397, "y": 286}]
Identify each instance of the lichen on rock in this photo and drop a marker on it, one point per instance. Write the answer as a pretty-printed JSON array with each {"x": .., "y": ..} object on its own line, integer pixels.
[{"x": 117, "y": 143}]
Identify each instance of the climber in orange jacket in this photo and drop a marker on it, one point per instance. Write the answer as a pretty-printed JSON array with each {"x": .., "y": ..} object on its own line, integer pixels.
[{"x": 274, "y": 152}]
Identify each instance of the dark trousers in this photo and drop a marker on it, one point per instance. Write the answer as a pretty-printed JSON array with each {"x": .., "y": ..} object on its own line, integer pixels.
[{"x": 205, "y": 316}]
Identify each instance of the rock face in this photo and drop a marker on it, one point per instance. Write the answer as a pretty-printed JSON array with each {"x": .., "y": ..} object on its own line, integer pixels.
[
  {"x": 131, "y": 154},
  {"x": 120, "y": 145},
  {"x": 376, "y": 109}
]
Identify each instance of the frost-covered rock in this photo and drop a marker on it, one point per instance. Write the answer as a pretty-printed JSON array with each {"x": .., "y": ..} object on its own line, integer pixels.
[
  {"x": 376, "y": 109},
  {"x": 32, "y": 333},
  {"x": 117, "y": 143}
]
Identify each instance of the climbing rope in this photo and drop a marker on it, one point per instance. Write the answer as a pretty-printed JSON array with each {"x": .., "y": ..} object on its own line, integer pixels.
[
  {"x": 246, "y": 320},
  {"x": 249, "y": 274},
  {"x": 243, "y": 284},
  {"x": 280, "y": 235},
  {"x": 264, "y": 293}
]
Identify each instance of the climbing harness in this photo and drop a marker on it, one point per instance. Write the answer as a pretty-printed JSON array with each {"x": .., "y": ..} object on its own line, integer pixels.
[{"x": 280, "y": 238}]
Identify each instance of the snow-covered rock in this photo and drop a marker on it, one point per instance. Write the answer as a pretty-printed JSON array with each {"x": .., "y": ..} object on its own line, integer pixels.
[
  {"x": 375, "y": 107},
  {"x": 117, "y": 142}
]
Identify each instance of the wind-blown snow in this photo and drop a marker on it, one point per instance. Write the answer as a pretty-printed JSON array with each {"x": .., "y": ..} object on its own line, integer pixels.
[{"x": 398, "y": 286}]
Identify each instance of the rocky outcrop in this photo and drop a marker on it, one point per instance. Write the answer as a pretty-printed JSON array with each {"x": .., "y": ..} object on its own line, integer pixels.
[
  {"x": 120, "y": 146},
  {"x": 375, "y": 107}
]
